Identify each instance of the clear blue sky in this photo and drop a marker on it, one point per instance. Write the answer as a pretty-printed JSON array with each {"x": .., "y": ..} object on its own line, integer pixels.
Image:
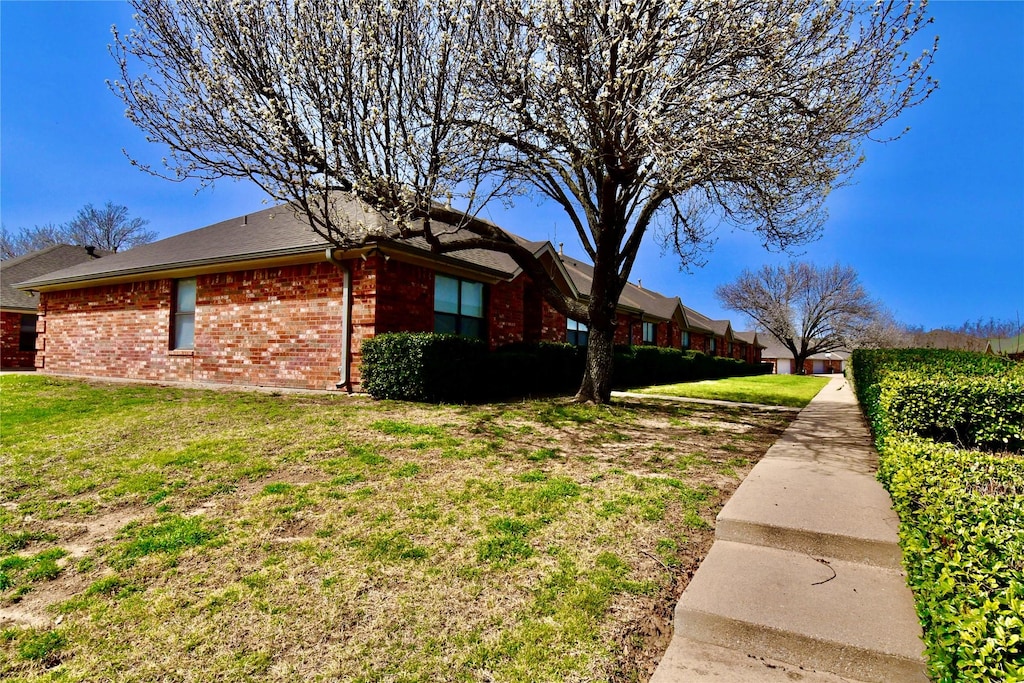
[{"x": 934, "y": 224}]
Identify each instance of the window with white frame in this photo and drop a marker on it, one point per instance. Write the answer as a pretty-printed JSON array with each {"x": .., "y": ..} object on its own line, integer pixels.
[
  {"x": 576, "y": 333},
  {"x": 184, "y": 314},
  {"x": 458, "y": 306},
  {"x": 712, "y": 345}
]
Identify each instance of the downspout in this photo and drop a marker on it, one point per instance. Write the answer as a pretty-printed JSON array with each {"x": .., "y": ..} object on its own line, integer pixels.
[{"x": 346, "y": 322}]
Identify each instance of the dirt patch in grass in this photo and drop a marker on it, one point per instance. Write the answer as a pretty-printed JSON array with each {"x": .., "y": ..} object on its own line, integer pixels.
[{"x": 210, "y": 535}]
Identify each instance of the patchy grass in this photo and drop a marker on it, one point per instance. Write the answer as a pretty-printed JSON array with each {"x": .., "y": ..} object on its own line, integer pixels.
[
  {"x": 221, "y": 535},
  {"x": 794, "y": 391}
]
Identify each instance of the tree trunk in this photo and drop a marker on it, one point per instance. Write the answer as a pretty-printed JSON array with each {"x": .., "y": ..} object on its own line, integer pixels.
[
  {"x": 604, "y": 294},
  {"x": 597, "y": 379}
]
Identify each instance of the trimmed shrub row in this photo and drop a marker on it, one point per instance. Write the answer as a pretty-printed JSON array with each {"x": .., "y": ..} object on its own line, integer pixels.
[
  {"x": 420, "y": 367},
  {"x": 961, "y": 511},
  {"x": 970, "y": 399},
  {"x": 449, "y": 368},
  {"x": 962, "y": 535},
  {"x": 641, "y": 366}
]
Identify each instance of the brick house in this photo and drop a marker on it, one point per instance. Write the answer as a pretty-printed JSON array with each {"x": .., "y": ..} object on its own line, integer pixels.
[
  {"x": 19, "y": 309},
  {"x": 747, "y": 347},
  {"x": 781, "y": 360},
  {"x": 262, "y": 300}
]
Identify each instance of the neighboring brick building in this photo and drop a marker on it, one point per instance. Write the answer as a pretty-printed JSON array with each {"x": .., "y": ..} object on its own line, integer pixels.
[
  {"x": 782, "y": 360},
  {"x": 18, "y": 314},
  {"x": 262, "y": 300}
]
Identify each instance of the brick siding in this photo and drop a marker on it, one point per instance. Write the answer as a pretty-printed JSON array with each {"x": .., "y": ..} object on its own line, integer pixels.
[
  {"x": 277, "y": 326},
  {"x": 113, "y": 331},
  {"x": 274, "y": 327}
]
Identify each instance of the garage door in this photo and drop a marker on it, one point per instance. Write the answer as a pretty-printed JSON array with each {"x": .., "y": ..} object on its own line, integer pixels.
[
  {"x": 785, "y": 366},
  {"x": 819, "y": 367}
]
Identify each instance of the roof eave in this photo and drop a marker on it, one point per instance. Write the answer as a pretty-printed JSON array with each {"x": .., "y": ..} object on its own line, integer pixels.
[{"x": 198, "y": 266}]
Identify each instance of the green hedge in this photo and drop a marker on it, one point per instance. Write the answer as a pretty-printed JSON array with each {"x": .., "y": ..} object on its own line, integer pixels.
[
  {"x": 959, "y": 397},
  {"x": 453, "y": 369},
  {"x": 638, "y": 366},
  {"x": 962, "y": 535},
  {"x": 422, "y": 367},
  {"x": 961, "y": 511}
]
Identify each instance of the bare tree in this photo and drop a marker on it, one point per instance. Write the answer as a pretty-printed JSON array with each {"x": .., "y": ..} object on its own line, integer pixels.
[
  {"x": 808, "y": 309},
  {"x": 989, "y": 329},
  {"x": 108, "y": 228},
  {"x": 883, "y": 331},
  {"x": 674, "y": 115},
  {"x": 26, "y": 240}
]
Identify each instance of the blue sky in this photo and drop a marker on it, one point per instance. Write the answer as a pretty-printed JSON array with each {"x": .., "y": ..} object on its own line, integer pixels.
[{"x": 934, "y": 223}]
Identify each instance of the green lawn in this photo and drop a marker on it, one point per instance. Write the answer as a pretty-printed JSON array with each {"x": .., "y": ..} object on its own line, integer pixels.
[
  {"x": 778, "y": 390},
  {"x": 152, "y": 533}
]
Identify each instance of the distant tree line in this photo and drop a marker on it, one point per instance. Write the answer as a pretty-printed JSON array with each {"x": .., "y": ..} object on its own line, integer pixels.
[
  {"x": 989, "y": 329},
  {"x": 108, "y": 228}
]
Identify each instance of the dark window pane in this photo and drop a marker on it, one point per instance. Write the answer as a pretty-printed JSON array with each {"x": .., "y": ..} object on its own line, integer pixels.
[
  {"x": 472, "y": 327},
  {"x": 27, "y": 338},
  {"x": 445, "y": 323}
]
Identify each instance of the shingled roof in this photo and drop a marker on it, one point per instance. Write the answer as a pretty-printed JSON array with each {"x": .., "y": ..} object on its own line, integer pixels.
[
  {"x": 750, "y": 337},
  {"x": 776, "y": 349},
  {"x": 633, "y": 297},
  {"x": 271, "y": 233},
  {"x": 281, "y": 233},
  {"x": 35, "y": 265}
]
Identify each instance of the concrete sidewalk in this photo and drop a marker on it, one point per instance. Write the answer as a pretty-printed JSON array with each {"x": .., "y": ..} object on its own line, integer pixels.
[{"x": 804, "y": 581}]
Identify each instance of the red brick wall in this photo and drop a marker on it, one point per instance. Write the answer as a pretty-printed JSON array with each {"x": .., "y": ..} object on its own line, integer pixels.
[
  {"x": 273, "y": 326},
  {"x": 624, "y": 330},
  {"x": 405, "y": 296},
  {"x": 113, "y": 331},
  {"x": 698, "y": 342},
  {"x": 505, "y": 309},
  {"x": 663, "y": 334},
  {"x": 364, "y": 312},
  {"x": 276, "y": 327},
  {"x": 279, "y": 326},
  {"x": 553, "y": 324},
  {"x": 11, "y": 355}
]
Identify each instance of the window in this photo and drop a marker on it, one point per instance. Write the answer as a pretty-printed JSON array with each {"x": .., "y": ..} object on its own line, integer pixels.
[
  {"x": 184, "y": 314},
  {"x": 648, "y": 333},
  {"x": 712, "y": 345},
  {"x": 577, "y": 333},
  {"x": 686, "y": 340},
  {"x": 27, "y": 337},
  {"x": 458, "y": 306}
]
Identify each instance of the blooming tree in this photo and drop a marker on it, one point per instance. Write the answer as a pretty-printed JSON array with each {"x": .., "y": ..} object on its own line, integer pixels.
[
  {"x": 809, "y": 309},
  {"x": 631, "y": 115}
]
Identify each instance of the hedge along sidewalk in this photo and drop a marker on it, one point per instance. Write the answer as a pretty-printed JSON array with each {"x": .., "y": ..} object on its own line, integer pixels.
[
  {"x": 803, "y": 579},
  {"x": 962, "y": 533},
  {"x": 961, "y": 511}
]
